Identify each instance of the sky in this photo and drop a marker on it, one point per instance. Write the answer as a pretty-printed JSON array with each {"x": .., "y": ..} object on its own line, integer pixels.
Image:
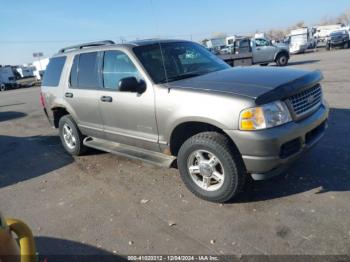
[{"x": 48, "y": 25}]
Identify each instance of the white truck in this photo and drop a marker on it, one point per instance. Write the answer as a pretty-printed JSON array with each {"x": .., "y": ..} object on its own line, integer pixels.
[
  {"x": 11, "y": 78},
  {"x": 7, "y": 78}
]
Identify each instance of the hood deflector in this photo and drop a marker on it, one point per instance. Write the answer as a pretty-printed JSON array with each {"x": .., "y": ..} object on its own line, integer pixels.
[{"x": 288, "y": 89}]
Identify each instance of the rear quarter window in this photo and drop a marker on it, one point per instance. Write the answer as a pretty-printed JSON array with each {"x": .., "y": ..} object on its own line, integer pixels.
[{"x": 53, "y": 71}]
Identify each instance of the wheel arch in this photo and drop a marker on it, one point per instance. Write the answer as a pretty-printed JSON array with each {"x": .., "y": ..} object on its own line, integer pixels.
[
  {"x": 183, "y": 131},
  {"x": 285, "y": 52}
]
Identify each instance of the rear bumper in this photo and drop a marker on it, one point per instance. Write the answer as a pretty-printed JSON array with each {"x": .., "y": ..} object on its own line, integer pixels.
[{"x": 268, "y": 152}]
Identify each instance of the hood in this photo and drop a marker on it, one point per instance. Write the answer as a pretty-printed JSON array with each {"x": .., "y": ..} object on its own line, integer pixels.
[{"x": 261, "y": 84}]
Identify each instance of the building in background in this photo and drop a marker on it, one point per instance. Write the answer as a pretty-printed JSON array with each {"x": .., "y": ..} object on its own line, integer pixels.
[{"x": 40, "y": 67}]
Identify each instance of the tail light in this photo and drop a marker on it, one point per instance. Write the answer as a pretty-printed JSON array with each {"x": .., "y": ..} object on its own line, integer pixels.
[{"x": 42, "y": 100}]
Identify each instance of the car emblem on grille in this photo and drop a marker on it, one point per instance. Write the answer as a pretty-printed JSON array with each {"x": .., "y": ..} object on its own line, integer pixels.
[{"x": 310, "y": 99}]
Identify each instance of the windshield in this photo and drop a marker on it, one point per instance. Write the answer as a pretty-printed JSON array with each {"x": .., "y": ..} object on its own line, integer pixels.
[{"x": 181, "y": 60}]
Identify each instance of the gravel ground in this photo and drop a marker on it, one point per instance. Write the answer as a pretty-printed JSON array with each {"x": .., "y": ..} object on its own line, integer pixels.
[{"x": 101, "y": 203}]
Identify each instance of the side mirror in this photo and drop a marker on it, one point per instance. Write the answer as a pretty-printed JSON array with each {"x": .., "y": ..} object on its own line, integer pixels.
[{"x": 130, "y": 84}]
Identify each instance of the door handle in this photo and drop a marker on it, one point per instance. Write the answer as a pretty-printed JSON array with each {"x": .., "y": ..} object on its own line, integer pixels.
[
  {"x": 69, "y": 95},
  {"x": 107, "y": 99},
  {"x": 258, "y": 48}
]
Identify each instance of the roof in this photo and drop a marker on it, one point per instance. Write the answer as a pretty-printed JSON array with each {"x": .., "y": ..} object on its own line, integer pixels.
[
  {"x": 154, "y": 41},
  {"x": 101, "y": 44}
]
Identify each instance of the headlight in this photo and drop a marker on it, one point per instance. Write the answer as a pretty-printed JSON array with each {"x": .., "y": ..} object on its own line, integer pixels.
[{"x": 265, "y": 116}]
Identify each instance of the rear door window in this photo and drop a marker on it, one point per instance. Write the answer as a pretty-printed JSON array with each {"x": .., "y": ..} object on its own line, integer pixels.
[
  {"x": 85, "y": 71},
  {"x": 88, "y": 75},
  {"x": 53, "y": 71}
]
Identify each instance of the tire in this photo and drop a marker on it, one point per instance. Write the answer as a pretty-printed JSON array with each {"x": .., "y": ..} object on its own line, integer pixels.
[
  {"x": 282, "y": 59},
  {"x": 230, "y": 165},
  {"x": 265, "y": 64},
  {"x": 346, "y": 45},
  {"x": 76, "y": 147},
  {"x": 2, "y": 87}
]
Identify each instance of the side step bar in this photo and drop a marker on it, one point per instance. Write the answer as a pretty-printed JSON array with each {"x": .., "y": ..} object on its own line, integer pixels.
[{"x": 148, "y": 156}]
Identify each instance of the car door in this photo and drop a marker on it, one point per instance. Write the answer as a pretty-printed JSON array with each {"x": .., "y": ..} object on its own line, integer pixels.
[
  {"x": 128, "y": 117},
  {"x": 82, "y": 94},
  {"x": 263, "y": 51}
]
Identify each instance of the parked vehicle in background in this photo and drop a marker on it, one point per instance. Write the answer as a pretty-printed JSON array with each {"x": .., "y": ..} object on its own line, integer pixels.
[
  {"x": 258, "y": 50},
  {"x": 2, "y": 86},
  {"x": 323, "y": 31},
  {"x": 26, "y": 70},
  {"x": 338, "y": 38},
  {"x": 230, "y": 40},
  {"x": 301, "y": 39},
  {"x": 10, "y": 77},
  {"x": 216, "y": 43},
  {"x": 173, "y": 103}
]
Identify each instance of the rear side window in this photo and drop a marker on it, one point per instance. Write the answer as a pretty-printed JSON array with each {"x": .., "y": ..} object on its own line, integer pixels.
[
  {"x": 85, "y": 71},
  {"x": 53, "y": 71}
]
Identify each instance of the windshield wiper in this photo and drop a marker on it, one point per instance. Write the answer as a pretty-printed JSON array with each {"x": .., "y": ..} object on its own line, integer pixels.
[{"x": 179, "y": 77}]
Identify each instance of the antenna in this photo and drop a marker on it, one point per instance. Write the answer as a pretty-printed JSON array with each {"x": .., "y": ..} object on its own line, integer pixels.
[{"x": 160, "y": 46}]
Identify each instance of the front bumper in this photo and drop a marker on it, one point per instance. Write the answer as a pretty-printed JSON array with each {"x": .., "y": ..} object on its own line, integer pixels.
[
  {"x": 268, "y": 152},
  {"x": 337, "y": 43}
]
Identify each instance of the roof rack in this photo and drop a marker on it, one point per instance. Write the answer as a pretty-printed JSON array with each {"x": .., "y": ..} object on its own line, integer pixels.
[{"x": 81, "y": 46}]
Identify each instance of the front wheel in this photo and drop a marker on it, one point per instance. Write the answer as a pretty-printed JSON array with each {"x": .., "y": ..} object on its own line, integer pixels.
[
  {"x": 2, "y": 87},
  {"x": 71, "y": 138},
  {"x": 211, "y": 167},
  {"x": 282, "y": 60},
  {"x": 346, "y": 45}
]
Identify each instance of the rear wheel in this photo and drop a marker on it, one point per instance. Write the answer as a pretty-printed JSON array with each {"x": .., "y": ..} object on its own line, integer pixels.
[
  {"x": 71, "y": 138},
  {"x": 2, "y": 87},
  {"x": 282, "y": 59},
  {"x": 211, "y": 167}
]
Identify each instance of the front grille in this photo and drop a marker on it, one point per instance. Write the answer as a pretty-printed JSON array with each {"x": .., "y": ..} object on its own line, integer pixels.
[{"x": 306, "y": 101}]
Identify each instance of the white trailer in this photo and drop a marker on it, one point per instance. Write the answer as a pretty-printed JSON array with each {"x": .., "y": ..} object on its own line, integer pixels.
[
  {"x": 26, "y": 70},
  {"x": 301, "y": 39},
  {"x": 216, "y": 43}
]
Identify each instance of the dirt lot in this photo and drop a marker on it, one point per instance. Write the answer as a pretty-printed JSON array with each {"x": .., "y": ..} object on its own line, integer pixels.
[{"x": 93, "y": 204}]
